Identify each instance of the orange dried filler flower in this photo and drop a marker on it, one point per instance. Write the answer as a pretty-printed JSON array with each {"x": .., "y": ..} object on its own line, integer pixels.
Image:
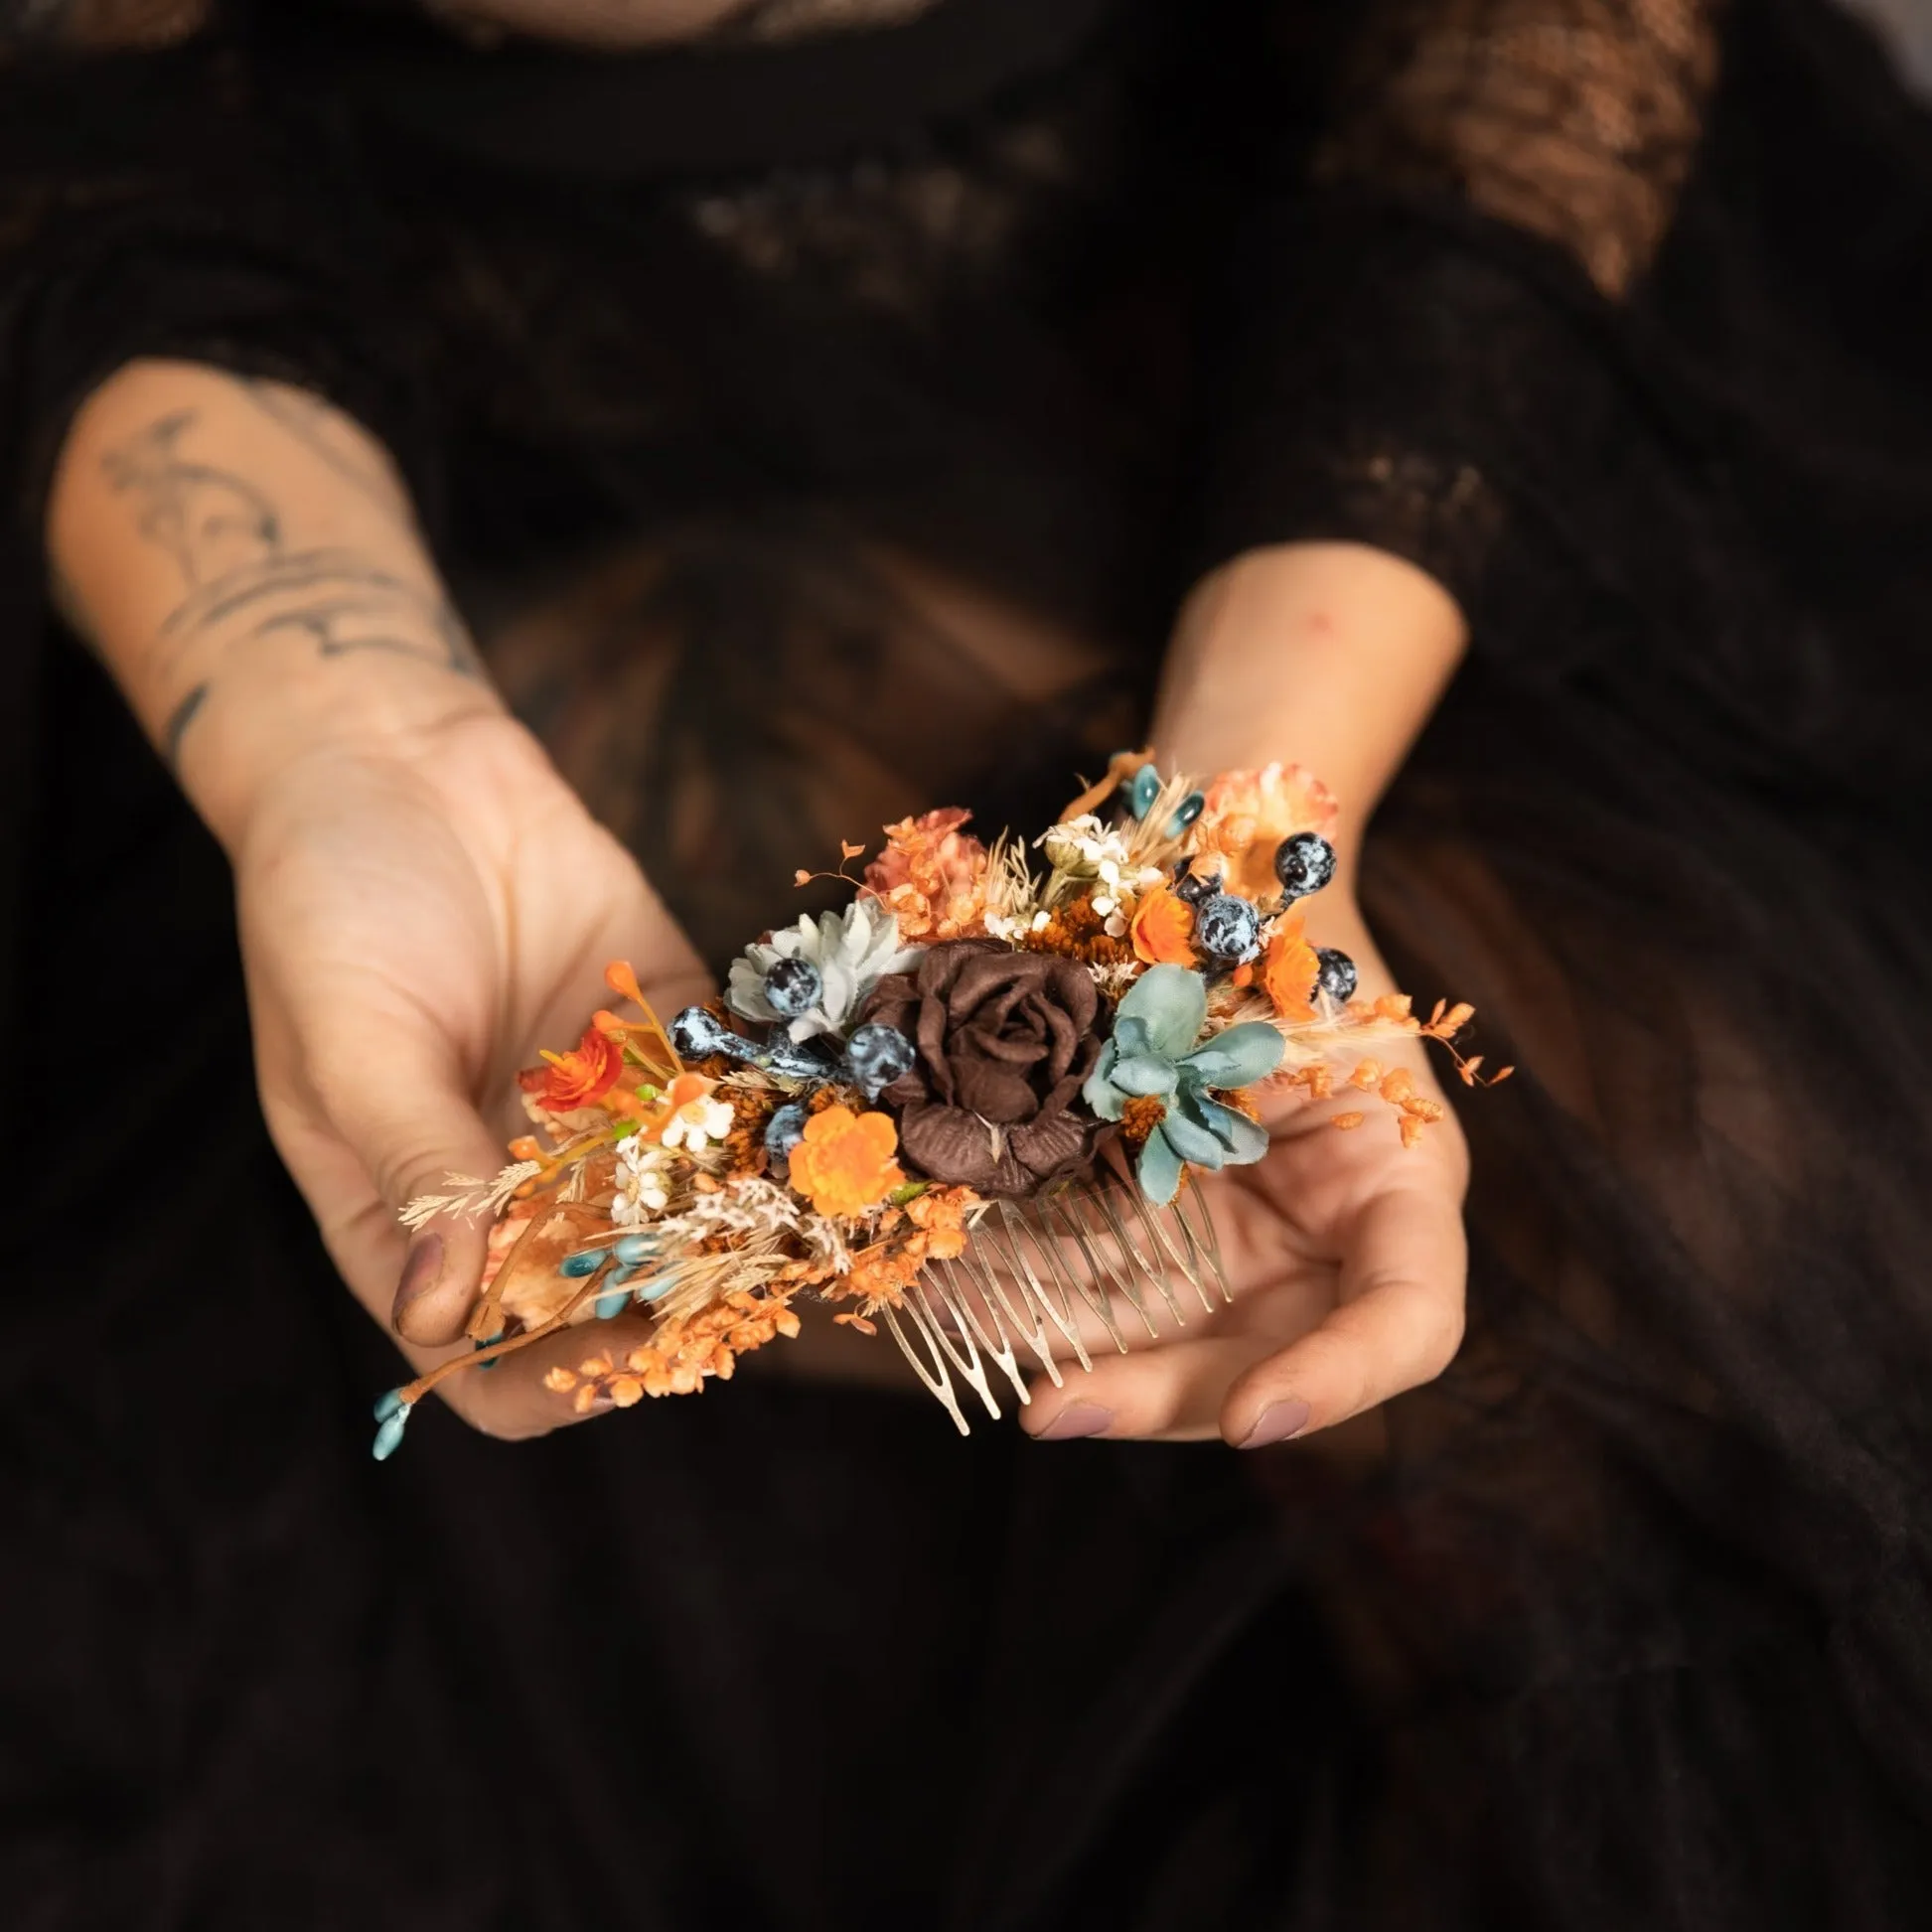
[
  {"x": 845, "y": 1164},
  {"x": 933, "y": 875}
]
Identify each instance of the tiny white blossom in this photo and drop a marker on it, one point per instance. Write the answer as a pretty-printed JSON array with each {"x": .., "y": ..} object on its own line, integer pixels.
[
  {"x": 697, "y": 1125},
  {"x": 641, "y": 1190}
]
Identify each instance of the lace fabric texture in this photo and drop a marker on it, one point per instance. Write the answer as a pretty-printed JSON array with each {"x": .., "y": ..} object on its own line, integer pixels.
[{"x": 1576, "y": 121}]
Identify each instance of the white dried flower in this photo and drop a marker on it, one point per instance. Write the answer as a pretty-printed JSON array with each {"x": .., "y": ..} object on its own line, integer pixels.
[
  {"x": 1084, "y": 848},
  {"x": 697, "y": 1124},
  {"x": 641, "y": 1183},
  {"x": 852, "y": 950}
]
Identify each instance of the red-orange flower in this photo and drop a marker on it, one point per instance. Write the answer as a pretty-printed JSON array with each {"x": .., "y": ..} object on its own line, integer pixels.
[
  {"x": 577, "y": 1079},
  {"x": 845, "y": 1164},
  {"x": 1163, "y": 929}
]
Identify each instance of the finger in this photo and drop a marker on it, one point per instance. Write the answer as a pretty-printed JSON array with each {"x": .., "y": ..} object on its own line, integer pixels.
[
  {"x": 1172, "y": 1393},
  {"x": 1399, "y": 1324},
  {"x": 393, "y": 1097},
  {"x": 512, "y": 1402}
]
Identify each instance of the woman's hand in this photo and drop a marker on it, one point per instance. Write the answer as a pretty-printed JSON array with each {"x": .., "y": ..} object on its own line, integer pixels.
[
  {"x": 424, "y": 903},
  {"x": 1345, "y": 1253},
  {"x": 418, "y": 917},
  {"x": 1344, "y": 1249}
]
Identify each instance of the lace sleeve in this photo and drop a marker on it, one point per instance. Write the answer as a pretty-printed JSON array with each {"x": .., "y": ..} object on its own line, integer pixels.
[
  {"x": 1573, "y": 119},
  {"x": 1431, "y": 312}
]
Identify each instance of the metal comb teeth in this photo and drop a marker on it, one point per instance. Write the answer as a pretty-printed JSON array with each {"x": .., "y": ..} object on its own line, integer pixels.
[{"x": 1096, "y": 1246}]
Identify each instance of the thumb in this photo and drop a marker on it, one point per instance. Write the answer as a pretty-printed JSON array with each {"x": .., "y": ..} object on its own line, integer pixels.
[{"x": 399, "y": 1109}]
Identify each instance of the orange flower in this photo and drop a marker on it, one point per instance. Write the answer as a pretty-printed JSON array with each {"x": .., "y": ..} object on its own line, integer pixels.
[
  {"x": 1288, "y": 973},
  {"x": 1248, "y": 814},
  {"x": 1163, "y": 929},
  {"x": 579, "y": 1079},
  {"x": 845, "y": 1164}
]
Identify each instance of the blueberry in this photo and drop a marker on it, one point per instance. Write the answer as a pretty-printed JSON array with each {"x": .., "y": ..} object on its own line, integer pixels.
[
  {"x": 785, "y": 1130},
  {"x": 1304, "y": 862},
  {"x": 697, "y": 1033},
  {"x": 1196, "y": 886},
  {"x": 1337, "y": 975},
  {"x": 877, "y": 1056},
  {"x": 792, "y": 987},
  {"x": 1227, "y": 929}
]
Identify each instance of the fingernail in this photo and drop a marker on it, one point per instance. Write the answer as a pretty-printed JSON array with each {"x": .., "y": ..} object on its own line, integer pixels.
[
  {"x": 421, "y": 1270},
  {"x": 1277, "y": 1422},
  {"x": 1077, "y": 1419}
]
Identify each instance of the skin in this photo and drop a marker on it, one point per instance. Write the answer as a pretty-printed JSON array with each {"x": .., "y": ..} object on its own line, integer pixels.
[{"x": 423, "y": 902}]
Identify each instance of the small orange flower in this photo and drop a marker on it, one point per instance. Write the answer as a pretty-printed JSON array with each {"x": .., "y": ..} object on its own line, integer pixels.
[
  {"x": 579, "y": 1079},
  {"x": 1163, "y": 929},
  {"x": 845, "y": 1164},
  {"x": 1290, "y": 970}
]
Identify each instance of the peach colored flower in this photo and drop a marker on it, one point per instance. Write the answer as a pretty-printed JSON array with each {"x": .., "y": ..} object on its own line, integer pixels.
[
  {"x": 1163, "y": 929},
  {"x": 845, "y": 1164},
  {"x": 933, "y": 875},
  {"x": 1248, "y": 815}
]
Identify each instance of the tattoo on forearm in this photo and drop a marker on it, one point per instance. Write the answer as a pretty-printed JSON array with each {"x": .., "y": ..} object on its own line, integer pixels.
[
  {"x": 318, "y": 428},
  {"x": 179, "y": 720},
  {"x": 242, "y": 582}
]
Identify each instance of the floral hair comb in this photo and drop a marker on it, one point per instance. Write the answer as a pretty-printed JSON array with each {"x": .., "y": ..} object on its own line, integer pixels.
[{"x": 970, "y": 1106}]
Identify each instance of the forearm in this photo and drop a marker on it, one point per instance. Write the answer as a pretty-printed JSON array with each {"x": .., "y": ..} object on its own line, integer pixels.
[
  {"x": 244, "y": 561},
  {"x": 1333, "y": 654}
]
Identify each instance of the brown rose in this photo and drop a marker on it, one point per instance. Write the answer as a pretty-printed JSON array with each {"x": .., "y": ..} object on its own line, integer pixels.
[{"x": 1006, "y": 1041}]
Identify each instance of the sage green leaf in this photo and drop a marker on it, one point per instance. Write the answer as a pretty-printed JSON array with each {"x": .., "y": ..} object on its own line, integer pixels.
[
  {"x": 1160, "y": 1168},
  {"x": 1144, "y": 1075},
  {"x": 1193, "y": 1140},
  {"x": 1100, "y": 1092},
  {"x": 1239, "y": 1057},
  {"x": 1172, "y": 1003},
  {"x": 1243, "y": 1141}
]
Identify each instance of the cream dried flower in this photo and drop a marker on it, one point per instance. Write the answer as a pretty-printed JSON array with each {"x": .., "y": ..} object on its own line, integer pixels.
[
  {"x": 642, "y": 1184},
  {"x": 852, "y": 950}
]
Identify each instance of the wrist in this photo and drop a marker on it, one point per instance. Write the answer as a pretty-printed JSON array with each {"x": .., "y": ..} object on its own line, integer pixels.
[
  {"x": 253, "y": 737},
  {"x": 1329, "y": 654}
]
